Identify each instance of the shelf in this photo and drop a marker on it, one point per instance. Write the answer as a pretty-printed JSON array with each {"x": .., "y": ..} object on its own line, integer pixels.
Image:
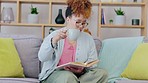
[
  {"x": 44, "y": 1},
  {"x": 64, "y": 2},
  {"x": 62, "y": 25},
  {"x": 8, "y": 0},
  {"x": 20, "y": 24},
  {"x": 31, "y": 25},
  {"x": 54, "y": 25},
  {"x": 122, "y": 26},
  {"x": 123, "y": 4},
  {"x": 35, "y": 1},
  {"x": 59, "y": 1},
  {"x": 92, "y": 1}
]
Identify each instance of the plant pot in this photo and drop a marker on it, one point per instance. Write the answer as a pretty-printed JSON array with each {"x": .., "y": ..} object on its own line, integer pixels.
[
  {"x": 120, "y": 20},
  {"x": 33, "y": 18}
]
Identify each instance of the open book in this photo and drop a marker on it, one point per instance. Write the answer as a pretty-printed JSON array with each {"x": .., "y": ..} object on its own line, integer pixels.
[{"x": 78, "y": 64}]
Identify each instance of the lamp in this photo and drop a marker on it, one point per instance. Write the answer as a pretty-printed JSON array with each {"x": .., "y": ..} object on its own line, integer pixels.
[{"x": 7, "y": 15}]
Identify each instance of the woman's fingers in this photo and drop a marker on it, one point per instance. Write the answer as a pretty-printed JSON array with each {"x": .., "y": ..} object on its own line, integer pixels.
[
  {"x": 62, "y": 34},
  {"x": 76, "y": 69},
  {"x": 66, "y": 68}
]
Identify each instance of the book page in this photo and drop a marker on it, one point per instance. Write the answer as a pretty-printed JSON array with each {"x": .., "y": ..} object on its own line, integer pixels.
[
  {"x": 71, "y": 64},
  {"x": 77, "y": 64},
  {"x": 89, "y": 64}
]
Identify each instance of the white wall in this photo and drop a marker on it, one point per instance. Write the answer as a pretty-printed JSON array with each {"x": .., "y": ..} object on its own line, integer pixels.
[{"x": 131, "y": 12}]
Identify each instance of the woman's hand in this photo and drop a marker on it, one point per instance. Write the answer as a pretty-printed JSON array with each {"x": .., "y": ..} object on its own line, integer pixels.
[
  {"x": 76, "y": 70},
  {"x": 61, "y": 35}
]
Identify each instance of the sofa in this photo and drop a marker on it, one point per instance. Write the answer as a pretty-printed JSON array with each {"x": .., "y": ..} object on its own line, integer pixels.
[{"x": 28, "y": 47}]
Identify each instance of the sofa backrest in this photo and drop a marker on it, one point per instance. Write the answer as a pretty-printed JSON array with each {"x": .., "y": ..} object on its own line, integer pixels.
[
  {"x": 98, "y": 44},
  {"x": 27, "y": 47},
  {"x": 146, "y": 39}
]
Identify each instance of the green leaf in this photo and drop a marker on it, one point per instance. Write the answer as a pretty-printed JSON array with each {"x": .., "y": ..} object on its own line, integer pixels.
[
  {"x": 119, "y": 11},
  {"x": 34, "y": 10}
]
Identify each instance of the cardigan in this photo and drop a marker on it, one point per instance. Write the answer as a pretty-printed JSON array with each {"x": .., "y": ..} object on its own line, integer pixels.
[{"x": 85, "y": 52}]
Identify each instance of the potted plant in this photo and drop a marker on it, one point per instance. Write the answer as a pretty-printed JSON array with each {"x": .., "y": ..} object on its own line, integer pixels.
[
  {"x": 111, "y": 21},
  {"x": 33, "y": 16},
  {"x": 120, "y": 17},
  {"x": 119, "y": 11}
]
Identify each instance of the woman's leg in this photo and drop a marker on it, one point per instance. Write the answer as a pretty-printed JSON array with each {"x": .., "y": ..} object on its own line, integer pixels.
[
  {"x": 94, "y": 76},
  {"x": 61, "y": 76}
]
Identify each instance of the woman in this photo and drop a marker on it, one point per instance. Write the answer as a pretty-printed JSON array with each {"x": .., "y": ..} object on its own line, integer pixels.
[{"x": 57, "y": 49}]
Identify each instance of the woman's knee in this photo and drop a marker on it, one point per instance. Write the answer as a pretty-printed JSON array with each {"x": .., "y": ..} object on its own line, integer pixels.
[
  {"x": 103, "y": 76},
  {"x": 104, "y": 73},
  {"x": 68, "y": 76},
  {"x": 60, "y": 77}
]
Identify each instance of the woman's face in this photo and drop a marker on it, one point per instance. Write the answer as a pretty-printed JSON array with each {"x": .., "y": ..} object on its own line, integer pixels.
[{"x": 77, "y": 22}]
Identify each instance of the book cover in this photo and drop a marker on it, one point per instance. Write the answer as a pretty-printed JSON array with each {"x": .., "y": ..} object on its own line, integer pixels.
[{"x": 78, "y": 64}]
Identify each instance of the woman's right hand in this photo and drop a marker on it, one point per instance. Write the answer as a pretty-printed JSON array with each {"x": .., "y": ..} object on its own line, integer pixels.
[{"x": 60, "y": 35}]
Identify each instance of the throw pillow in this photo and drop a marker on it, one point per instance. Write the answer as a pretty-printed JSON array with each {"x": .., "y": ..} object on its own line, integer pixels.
[
  {"x": 115, "y": 54},
  {"x": 137, "y": 67},
  {"x": 10, "y": 64}
]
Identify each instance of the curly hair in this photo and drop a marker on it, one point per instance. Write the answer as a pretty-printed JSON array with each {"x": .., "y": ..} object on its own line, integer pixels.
[{"x": 79, "y": 7}]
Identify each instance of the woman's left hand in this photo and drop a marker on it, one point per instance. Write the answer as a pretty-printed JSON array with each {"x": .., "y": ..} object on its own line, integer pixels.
[{"x": 75, "y": 69}]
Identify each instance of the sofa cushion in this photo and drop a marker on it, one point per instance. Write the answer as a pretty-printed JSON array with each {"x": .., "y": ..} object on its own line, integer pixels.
[
  {"x": 137, "y": 66},
  {"x": 19, "y": 80},
  {"x": 27, "y": 47},
  {"x": 115, "y": 54},
  {"x": 10, "y": 63},
  {"x": 132, "y": 81}
]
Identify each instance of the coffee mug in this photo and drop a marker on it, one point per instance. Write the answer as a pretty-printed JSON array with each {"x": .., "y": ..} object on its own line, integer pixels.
[
  {"x": 73, "y": 34},
  {"x": 135, "y": 21}
]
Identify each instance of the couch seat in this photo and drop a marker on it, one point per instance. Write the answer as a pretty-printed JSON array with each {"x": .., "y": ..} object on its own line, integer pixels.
[
  {"x": 19, "y": 80},
  {"x": 132, "y": 81}
]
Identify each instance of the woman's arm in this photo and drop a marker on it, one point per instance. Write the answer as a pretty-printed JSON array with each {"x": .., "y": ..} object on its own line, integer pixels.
[
  {"x": 46, "y": 50},
  {"x": 49, "y": 45},
  {"x": 92, "y": 51}
]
